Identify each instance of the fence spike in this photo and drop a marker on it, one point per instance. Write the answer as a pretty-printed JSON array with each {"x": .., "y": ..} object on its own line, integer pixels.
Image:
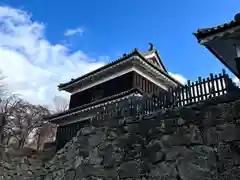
[{"x": 223, "y": 71}]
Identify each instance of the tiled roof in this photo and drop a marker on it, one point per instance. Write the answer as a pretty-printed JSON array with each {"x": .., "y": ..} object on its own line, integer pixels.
[
  {"x": 124, "y": 57},
  {"x": 204, "y": 32}
]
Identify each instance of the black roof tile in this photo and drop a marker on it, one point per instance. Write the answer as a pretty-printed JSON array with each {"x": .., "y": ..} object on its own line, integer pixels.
[
  {"x": 124, "y": 57},
  {"x": 204, "y": 32}
]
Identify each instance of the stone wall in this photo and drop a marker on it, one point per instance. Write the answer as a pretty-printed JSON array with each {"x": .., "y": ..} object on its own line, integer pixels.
[
  {"x": 23, "y": 164},
  {"x": 192, "y": 143}
]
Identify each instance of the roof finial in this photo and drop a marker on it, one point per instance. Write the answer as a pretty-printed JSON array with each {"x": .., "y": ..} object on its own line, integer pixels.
[{"x": 151, "y": 47}]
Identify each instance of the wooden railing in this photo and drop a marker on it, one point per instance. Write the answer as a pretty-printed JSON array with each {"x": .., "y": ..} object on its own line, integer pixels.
[{"x": 192, "y": 92}]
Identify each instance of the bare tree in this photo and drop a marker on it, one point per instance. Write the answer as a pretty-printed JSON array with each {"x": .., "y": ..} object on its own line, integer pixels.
[
  {"x": 23, "y": 120},
  {"x": 47, "y": 133},
  {"x": 60, "y": 104}
]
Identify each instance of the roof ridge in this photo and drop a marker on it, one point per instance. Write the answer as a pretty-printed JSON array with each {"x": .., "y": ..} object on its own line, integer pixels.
[{"x": 124, "y": 56}]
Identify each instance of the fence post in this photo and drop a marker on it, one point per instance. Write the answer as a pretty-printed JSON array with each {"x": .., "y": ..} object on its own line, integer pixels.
[
  {"x": 225, "y": 77},
  {"x": 213, "y": 85},
  {"x": 188, "y": 91},
  {"x": 223, "y": 71},
  {"x": 227, "y": 83},
  {"x": 217, "y": 79},
  {"x": 193, "y": 92},
  {"x": 201, "y": 88}
]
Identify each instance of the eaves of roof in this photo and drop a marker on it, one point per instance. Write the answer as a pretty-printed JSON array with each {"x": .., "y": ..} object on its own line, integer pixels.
[
  {"x": 222, "y": 60},
  {"x": 204, "y": 32},
  {"x": 124, "y": 57}
]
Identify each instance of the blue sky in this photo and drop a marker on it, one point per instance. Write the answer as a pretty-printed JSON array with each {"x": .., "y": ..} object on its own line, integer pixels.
[{"x": 115, "y": 27}]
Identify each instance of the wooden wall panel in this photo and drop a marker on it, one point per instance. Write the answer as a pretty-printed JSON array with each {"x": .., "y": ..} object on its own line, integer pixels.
[
  {"x": 145, "y": 85},
  {"x": 67, "y": 132},
  {"x": 109, "y": 88}
]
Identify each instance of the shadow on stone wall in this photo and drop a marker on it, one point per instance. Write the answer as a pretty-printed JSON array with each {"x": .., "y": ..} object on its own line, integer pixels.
[
  {"x": 199, "y": 142},
  {"x": 196, "y": 142}
]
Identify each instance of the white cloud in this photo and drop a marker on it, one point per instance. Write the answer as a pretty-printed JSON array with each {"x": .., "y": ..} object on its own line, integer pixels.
[
  {"x": 33, "y": 65},
  {"x": 178, "y": 77},
  {"x": 72, "y": 32},
  {"x": 236, "y": 80}
]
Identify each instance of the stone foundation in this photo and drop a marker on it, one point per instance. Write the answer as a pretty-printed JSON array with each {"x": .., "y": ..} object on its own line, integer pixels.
[
  {"x": 200, "y": 142},
  {"x": 191, "y": 143}
]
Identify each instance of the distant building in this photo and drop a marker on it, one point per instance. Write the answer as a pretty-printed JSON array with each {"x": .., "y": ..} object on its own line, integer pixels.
[
  {"x": 224, "y": 42},
  {"x": 133, "y": 74}
]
